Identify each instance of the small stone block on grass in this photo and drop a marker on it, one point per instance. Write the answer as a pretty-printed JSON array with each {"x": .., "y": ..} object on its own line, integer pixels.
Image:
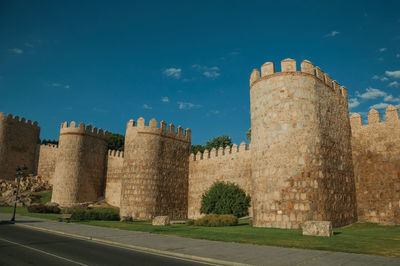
[
  {"x": 317, "y": 228},
  {"x": 161, "y": 220}
]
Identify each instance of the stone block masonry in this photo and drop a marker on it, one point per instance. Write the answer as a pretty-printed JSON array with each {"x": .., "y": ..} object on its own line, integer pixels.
[
  {"x": 18, "y": 145},
  {"x": 80, "y": 166},
  {"x": 115, "y": 160},
  {"x": 301, "y": 152},
  {"x": 155, "y": 171},
  {"x": 376, "y": 159},
  {"x": 46, "y": 161},
  {"x": 228, "y": 165}
]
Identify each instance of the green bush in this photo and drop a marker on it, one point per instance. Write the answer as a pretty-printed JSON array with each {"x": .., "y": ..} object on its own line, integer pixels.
[
  {"x": 215, "y": 220},
  {"x": 104, "y": 214},
  {"x": 225, "y": 198},
  {"x": 41, "y": 208},
  {"x": 190, "y": 222}
]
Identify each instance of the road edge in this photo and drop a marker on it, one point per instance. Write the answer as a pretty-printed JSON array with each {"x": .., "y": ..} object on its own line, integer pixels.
[{"x": 139, "y": 248}]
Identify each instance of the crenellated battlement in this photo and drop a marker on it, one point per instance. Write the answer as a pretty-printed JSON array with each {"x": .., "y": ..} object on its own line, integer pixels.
[
  {"x": 115, "y": 153},
  {"x": 160, "y": 129},
  {"x": 82, "y": 129},
  {"x": 374, "y": 117},
  {"x": 220, "y": 152},
  {"x": 288, "y": 66},
  {"x": 49, "y": 146},
  {"x": 17, "y": 120}
]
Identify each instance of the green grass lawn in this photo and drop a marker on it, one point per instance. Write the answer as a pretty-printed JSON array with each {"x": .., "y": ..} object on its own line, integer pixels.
[{"x": 363, "y": 238}]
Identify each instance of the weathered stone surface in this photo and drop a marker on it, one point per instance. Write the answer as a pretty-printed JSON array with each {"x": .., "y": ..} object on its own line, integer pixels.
[
  {"x": 79, "y": 171},
  {"x": 376, "y": 159},
  {"x": 161, "y": 220},
  {"x": 317, "y": 228}
]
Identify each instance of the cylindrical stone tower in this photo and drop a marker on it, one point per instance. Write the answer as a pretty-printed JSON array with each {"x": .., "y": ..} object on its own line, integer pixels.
[
  {"x": 18, "y": 145},
  {"x": 80, "y": 164},
  {"x": 155, "y": 171},
  {"x": 301, "y": 153}
]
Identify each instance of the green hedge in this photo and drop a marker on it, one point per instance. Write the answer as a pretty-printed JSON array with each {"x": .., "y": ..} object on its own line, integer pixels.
[
  {"x": 95, "y": 214},
  {"x": 41, "y": 208},
  {"x": 215, "y": 220}
]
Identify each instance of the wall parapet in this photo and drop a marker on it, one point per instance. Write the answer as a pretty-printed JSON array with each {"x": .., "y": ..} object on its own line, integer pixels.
[
  {"x": 115, "y": 153},
  {"x": 161, "y": 129},
  {"x": 374, "y": 117},
  {"x": 16, "y": 119},
  {"x": 82, "y": 129},
  {"x": 289, "y": 66},
  {"x": 220, "y": 152}
]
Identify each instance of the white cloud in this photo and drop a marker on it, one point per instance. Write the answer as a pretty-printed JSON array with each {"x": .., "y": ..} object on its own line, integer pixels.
[
  {"x": 67, "y": 86},
  {"x": 215, "y": 112},
  {"x": 398, "y": 55},
  {"x": 173, "y": 72},
  {"x": 382, "y": 49},
  {"x": 55, "y": 84},
  {"x": 187, "y": 105},
  {"x": 27, "y": 44},
  {"x": 165, "y": 99},
  {"x": 393, "y": 74},
  {"x": 379, "y": 106},
  {"x": 209, "y": 72},
  {"x": 384, "y": 79},
  {"x": 390, "y": 98},
  {"x": 16, "y": 51},
  {"x": 375, "y": 77},
  {"x": 372, "y": 93},
  {"x": 394, "y": 84},
  {"x": 353, "y": 102},
  {"x": 332, "y": 33},
  {"x": 148, "y": 107}
]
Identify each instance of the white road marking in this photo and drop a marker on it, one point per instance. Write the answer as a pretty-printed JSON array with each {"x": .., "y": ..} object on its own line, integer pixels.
[{"x": 38, "y": 250}]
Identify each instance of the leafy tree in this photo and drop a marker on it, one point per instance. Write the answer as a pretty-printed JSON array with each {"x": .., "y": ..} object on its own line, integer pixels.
[
  {"x": 197, "y": 148},
  {"x": 116, "y": 141},
  {"x": 221, "y": 141},
  {"x": 225, "y": 198},
  {"x": 248, "y": 135}
]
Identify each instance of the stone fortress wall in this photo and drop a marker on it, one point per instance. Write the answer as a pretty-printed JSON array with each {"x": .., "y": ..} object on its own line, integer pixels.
[
  {"x": 376, "y": 159},
  {"x": 227, "y": 165},
  {"x": 155, "y": 170},
  {"x": 18, "y": 144},
  {"x": 112, "y": 194},
  {"x": 79, "y": 174},
  {"x": 301, "y": 153},
  {"x": 307, "y": 161}
]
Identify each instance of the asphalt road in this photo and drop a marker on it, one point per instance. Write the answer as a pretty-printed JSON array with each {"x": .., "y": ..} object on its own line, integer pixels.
[{"x": 23, "y": 246}]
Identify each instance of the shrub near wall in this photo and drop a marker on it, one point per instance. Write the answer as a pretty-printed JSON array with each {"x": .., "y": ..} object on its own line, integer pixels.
[
  {"x": 95, "y": 214},
  {"x": 215, "y": 220}
]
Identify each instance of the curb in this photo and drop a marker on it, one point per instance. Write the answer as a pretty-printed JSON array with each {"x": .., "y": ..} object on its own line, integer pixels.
[{"x": 138, "y": 248}]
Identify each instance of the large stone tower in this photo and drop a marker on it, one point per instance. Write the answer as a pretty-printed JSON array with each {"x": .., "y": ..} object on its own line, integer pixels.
[
  {"x": 18, "y": 144},
  {"x": 155, "y": 171},
  {"x": 80, "y": 166},
  {"x": 301, "y": 151}
]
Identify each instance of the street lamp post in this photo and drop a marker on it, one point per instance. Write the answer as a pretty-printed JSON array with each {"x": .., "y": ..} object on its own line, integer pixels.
[{"x": 20, "y": 173}]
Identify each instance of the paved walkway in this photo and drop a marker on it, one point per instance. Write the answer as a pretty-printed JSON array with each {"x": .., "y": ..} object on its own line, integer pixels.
[{"x": 205, "y": 250}]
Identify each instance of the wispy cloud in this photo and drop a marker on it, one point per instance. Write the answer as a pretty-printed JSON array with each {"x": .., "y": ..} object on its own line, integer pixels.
[
  {"x": 16, "y": 51},
  {"x": 393, "y": 84},
  {"x": 56, "y": 84},
  {"x": 173, "y": 72},
  {"x": 332, "y": 33},
  {"x": 148, "y": 107},
  {"x": 379, "y": 106},
  {"x": 209, "y": 72},
  {"x": 393, "y": 74},
  {"x": 390, "y": 98},
  {"x": 382, "y": 49},
  {"x": 353, "y": 102},
  {"x": 376, "y": 77},
  {"x": 187, "y": 105},
  {"x": 398, "y": 55},
  {"x": 27, "y": 44},
  {"x": 372, "y": 93},
  {"x": 165, "y": 99}
]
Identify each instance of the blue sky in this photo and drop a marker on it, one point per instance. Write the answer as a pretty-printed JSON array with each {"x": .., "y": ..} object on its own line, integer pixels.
[{"x": 185, "y": 62}]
